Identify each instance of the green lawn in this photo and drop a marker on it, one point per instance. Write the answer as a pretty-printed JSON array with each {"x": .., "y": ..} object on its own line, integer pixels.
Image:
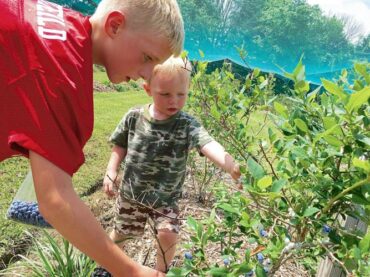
[{"x": 109, "y": 109}]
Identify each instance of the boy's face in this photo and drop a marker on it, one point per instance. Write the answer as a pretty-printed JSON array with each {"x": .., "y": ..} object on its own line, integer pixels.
[
  {"x": 132, "y": 54},
  {"x": 169, "y": 92}
]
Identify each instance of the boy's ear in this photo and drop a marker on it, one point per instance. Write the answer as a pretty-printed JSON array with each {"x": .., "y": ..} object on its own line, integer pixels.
[{"x": 114, "y": 23}]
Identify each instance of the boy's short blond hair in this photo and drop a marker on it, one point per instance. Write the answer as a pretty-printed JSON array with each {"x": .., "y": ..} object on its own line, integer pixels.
[
  {"x": 173, "y": 65},
  {"x": 162, "y": 17}
]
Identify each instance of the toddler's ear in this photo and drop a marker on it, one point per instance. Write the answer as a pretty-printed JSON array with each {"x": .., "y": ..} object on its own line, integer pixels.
[
  {"x": 147, "y": 88},
  {"x": 114, "y": 22}
]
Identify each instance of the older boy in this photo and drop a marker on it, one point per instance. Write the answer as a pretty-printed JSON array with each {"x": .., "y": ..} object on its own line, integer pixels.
[
  {"x": 154, "y": 140},
  {"x": 46, "y": 100}
]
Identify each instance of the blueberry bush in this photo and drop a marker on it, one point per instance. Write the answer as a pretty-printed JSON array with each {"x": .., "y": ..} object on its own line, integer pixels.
[{"x": 305, "y": 168}]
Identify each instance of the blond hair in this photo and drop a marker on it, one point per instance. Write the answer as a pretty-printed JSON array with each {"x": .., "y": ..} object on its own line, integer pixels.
[
  {"x": 173, "y": 65},
  {"x": 162, "y": 17}
]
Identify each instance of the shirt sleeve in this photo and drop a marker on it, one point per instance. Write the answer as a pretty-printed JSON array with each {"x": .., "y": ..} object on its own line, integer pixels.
[
  {"x": 198, "y": 135},
  {"x": 119, "y": 136}
]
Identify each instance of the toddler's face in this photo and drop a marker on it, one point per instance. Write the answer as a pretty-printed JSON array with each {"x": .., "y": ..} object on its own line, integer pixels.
[{"x": 169, "y": 92}]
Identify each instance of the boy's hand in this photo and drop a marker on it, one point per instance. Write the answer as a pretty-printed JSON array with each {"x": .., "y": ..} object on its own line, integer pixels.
[
  {"x": 110, "y": 185},
  {"x": 148, "y": 272}
]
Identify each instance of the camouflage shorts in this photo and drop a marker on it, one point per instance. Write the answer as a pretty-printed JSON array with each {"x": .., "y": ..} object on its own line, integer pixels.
[{"x": 131, "y": 217}]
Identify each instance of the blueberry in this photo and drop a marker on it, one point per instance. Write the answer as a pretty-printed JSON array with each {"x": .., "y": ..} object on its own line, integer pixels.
[
  {"x": 188, "y": 256},
  {"x": 263, "y": 233},
  {"x": 260, "y": 257},
  {"x": 326, "y": 229},
  {"x": 226, "y": 261}
]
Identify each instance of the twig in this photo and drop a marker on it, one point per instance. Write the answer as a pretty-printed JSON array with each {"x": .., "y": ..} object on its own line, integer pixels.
[{"x": 331, "y": 256}]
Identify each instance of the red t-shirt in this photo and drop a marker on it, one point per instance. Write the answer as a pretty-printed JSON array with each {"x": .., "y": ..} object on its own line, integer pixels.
[{"x": 46, "y": 99}]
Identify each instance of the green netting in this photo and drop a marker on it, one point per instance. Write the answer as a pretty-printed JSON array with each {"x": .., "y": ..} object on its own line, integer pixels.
[{"x": 273, "y": 34}]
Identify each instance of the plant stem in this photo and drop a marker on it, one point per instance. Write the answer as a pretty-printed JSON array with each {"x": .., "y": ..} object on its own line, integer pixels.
[{"x": 344, "y": 192}]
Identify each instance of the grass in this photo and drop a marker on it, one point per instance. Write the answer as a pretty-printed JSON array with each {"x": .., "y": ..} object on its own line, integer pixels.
[
  {"x": 109, "y": 109},
  {"x": 100, "y": 76}
]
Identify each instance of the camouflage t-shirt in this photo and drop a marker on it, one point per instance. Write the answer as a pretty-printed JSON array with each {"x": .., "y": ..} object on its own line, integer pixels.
[{"x": 157, "y": 152}]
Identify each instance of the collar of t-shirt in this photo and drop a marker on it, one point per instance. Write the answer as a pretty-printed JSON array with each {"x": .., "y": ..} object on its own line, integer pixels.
[{"x": 148, "y": 117}]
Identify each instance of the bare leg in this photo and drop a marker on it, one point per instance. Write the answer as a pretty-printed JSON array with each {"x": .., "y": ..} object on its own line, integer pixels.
[
  {"x": 167, "y": 241},
  {"x": 118, "y": 239}
]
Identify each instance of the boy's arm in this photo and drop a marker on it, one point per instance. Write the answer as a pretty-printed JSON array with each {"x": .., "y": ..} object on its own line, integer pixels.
[
  {"x": 64, "y": 210},
  {"x": 110, "y": 179},
  {"x": 217, "y": 154}
]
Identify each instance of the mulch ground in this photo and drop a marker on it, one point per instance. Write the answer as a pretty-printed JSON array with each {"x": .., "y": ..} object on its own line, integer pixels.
[{"x": 143, "y": 250}]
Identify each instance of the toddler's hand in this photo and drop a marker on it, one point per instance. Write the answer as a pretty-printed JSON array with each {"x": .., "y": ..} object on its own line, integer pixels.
[
  {"x": 235, "y": 172},
  {"x": 236, "y": 175},
  {"x": 110, "y": 186}
]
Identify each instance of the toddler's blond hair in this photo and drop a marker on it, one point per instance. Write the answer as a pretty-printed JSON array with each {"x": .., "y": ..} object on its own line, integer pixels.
[
  {"x": 162, "y": 17},
  {"x": 173, "y": 65}
]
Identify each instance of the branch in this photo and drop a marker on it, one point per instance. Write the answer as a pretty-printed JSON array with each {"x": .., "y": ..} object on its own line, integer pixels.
[
  {"x": 332, "y": 257},
  {"x": 344, "y": 192}
]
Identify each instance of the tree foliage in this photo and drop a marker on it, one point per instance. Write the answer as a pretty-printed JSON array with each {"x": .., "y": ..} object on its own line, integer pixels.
[{"x": 272, "y": 32}]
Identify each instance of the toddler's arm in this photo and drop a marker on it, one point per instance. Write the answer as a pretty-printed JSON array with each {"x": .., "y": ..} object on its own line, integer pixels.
[
  {"x": 217, "y": 154},
  {"x": 110, "y": 179},
  {"x": 64, "y": 210}
]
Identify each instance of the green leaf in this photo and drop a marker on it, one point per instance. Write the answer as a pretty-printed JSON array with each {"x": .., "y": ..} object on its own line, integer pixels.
[
  {"x": 302, "y": 86},
  {"x": 326, "y": 133},
  {"x": 301, "y": 125},
  {"x": 365, "y": 243},
  {"x": 217, "y": 271},
  {"x": 214, "y": 112},
  {"x": 256, "y": 72},
  {"x": 299, "y": 71},
  {"x": 333, "y": 140},
  {"x": 178, "y": 272},
  {"x": 365, "y": 165},
  {"x": 192, "y": 223},
  {"x": 362, "y": 138},
  {"x": 228, "y": 208},
  {"x": 264, "y": 182},
  {"x": 357, "y": 99},
  {"x": 184, "y": 55},
  {"x": 334, "y": 89},
  {"x": 260, "y": 272},
  {"x": 331, "y": 121},
  {"x": 201, "y": 53},
  {"x": 310, "y": 211},
  {"x": 278, "y": 185},
  {"x": 361, "y": 69},
  {"x": 255, "y": 169},
  {"x": 280, "y": 109}
]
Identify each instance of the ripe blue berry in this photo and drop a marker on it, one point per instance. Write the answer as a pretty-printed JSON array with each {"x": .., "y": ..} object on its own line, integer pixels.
[
  {"x": 260, "y": 257},
  {"x": 226, "y": 261},
  {"x": 326, "y": 229},
  {"x": 263, "y": 233},
  {"x": 188, "y": 256}
]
